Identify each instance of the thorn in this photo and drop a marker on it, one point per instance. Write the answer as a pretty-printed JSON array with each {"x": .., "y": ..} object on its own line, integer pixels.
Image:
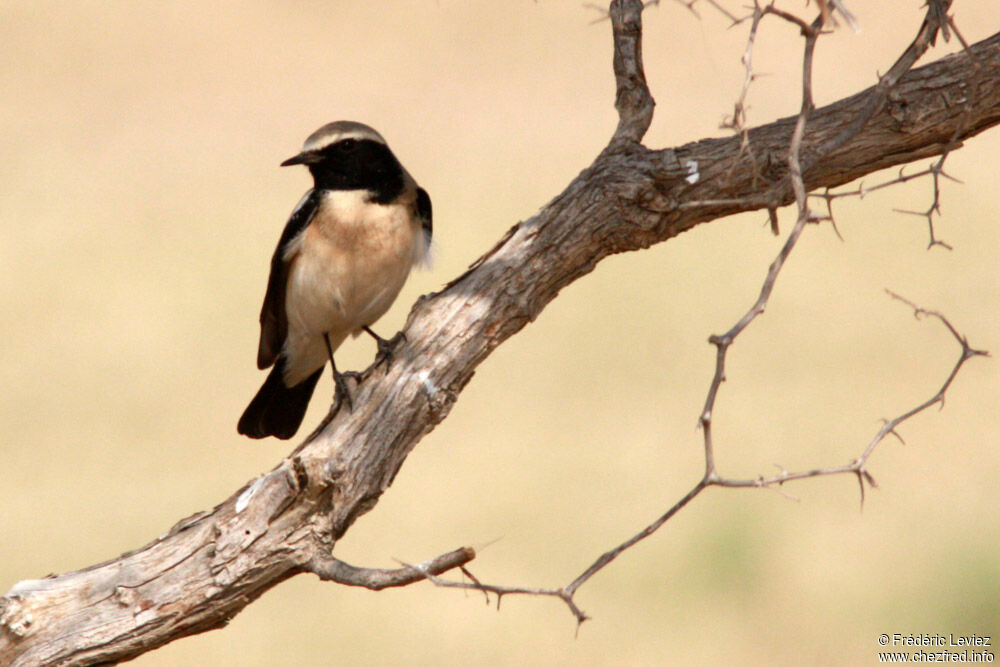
[
  {"x": 833, "y": 223},
  {"x": 772, "y": 214},
  {"x": 861, "y": 486},
  {"x": 951, "y": 178}
]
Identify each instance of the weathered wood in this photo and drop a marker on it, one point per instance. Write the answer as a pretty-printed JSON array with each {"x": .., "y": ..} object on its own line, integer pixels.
[{"x": 286, "y": 522}]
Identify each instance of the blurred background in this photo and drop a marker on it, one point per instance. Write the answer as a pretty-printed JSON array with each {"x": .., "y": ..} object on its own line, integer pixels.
[{"x": 142, "y": 199}]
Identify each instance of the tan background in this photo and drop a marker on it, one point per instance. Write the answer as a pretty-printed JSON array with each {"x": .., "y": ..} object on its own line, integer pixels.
[{"x": 141, "y": 200}]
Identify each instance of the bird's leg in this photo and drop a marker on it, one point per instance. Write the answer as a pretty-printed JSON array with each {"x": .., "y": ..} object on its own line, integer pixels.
[
  {"x": 342, "y": 393},
  {"x": 384, "y": 346}
]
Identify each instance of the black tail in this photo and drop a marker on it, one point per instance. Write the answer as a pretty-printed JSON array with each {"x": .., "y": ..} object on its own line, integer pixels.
[{"x": 276, "y": 409}]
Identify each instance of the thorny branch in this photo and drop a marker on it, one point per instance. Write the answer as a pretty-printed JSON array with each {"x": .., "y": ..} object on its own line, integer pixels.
[
  {"x": 936, "y": 19},
  {"x": 935, "y": 171},
  {"x": 857, "y": 466},
  {"x": 738, "y": 121},
  {"x": 936, "y": 12},
  {"x": 723, "y": 342}
]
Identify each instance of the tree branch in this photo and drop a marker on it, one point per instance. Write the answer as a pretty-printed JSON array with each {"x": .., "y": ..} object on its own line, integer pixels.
[
  {"x": 632, "y": 97},
  {"x": 208, "y": 567},
  {"x": 329, "y": 568}
]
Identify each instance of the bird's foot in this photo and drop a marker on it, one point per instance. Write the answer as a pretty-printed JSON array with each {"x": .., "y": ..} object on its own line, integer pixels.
[
  {"x": 342, "y": 394},
  {"x": 385, "y": 347}
]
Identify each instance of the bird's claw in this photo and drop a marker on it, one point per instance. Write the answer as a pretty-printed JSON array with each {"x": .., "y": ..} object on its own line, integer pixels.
[
  {"x": 343, "y": 394},
  {"x": 385, "y": 347}
]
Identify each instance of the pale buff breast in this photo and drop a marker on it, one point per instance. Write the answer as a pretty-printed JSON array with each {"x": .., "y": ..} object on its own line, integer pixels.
[{"x": 346, "y": 269}]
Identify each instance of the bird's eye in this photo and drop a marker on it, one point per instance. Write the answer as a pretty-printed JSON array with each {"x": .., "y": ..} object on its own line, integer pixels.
[{"x": 348, "y": 145}]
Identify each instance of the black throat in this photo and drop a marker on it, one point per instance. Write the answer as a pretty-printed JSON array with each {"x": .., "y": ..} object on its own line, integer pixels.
[{"x": 359, "y": 165}]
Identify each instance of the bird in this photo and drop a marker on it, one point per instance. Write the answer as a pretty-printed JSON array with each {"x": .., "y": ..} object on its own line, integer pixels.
[{"x": 344, "y": 255}]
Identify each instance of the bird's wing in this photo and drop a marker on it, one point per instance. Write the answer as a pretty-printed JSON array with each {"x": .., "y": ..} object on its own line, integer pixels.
[{"x": 273, "y": 318}]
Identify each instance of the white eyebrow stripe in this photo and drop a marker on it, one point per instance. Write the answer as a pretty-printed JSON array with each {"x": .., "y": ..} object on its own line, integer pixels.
[
  {"x": 361, "y": 134},
  {"x": 331, "y": 137}
]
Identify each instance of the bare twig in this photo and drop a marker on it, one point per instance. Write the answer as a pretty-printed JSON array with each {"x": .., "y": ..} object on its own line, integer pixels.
[
  {"x": 936, "y": 171},
  {"x": 863, "y": 191},
  {"x": 857, "y": 466},
  {"x": 562, "y": 593},
  {"x": 329, "y": 568},
  {"x": 723, "y": 342},
  {"x": 738, "y": 121},
  {"x": 567, "y": 592}
]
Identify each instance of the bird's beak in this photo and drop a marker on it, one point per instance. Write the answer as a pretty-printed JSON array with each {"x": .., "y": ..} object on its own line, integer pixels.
[{"x": 306, "y": 157}]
